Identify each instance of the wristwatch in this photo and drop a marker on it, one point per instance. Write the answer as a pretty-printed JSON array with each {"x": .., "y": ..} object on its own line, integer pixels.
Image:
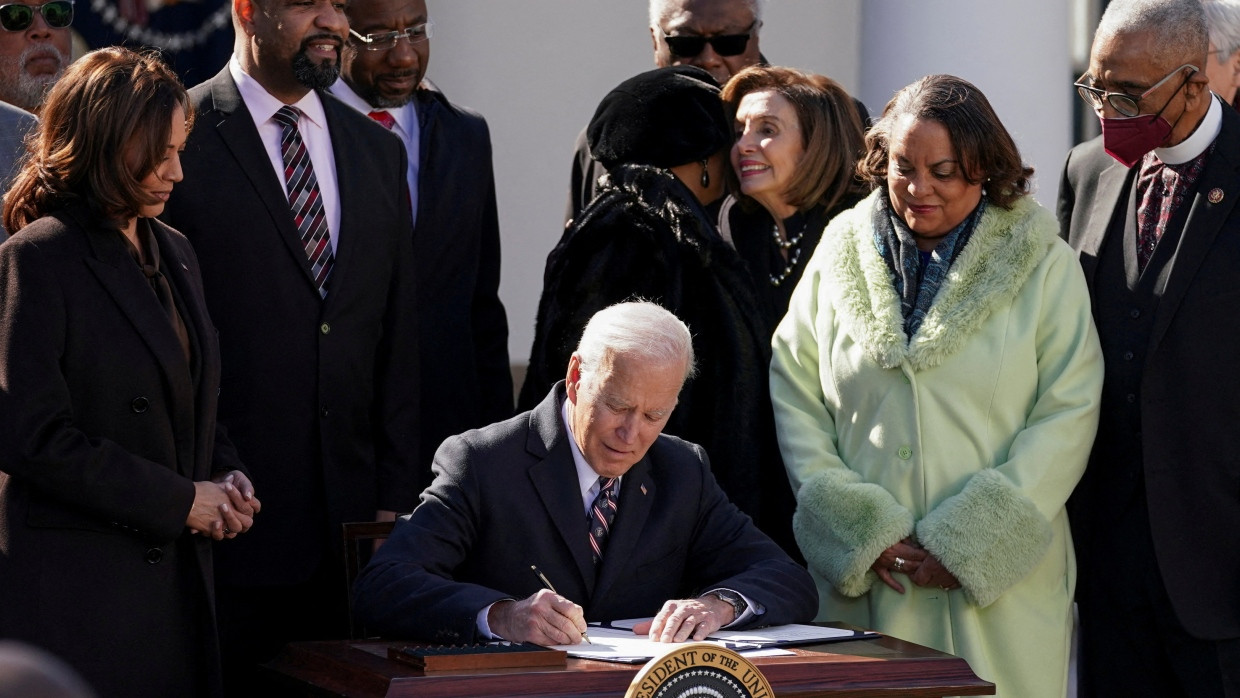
[{"x": 733, "y": 599}]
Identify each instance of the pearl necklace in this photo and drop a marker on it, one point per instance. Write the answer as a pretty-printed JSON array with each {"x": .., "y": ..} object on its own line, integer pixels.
[{"x": 794, "y": 245}]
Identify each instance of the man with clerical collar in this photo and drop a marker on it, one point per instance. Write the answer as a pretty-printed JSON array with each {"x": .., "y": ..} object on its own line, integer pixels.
[
  {"x": 624, "y": 521},
  {"x": 1150, "y": 206}
]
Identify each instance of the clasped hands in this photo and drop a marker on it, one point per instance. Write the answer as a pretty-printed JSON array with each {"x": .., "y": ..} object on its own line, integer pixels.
[
  {"x": 546, "y": 618},
  {"x": 922, "y": 568},
  {"x": 224, "y": 506}
]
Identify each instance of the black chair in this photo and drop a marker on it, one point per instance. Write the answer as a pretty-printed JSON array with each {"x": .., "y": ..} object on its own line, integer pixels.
[{"x": 359, "y": 539}]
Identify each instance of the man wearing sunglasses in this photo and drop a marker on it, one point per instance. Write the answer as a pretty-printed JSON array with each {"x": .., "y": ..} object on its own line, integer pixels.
[
  {"x": 463, "y": 329},
  {"x": 34, "y": 49},
  {"x": 718, "y": 36},
  {"x": 1151, "y": 208}
]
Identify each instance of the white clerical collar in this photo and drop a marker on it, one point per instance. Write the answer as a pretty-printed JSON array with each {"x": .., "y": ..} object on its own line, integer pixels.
[
  {"x": 587, "y": 479},
  {"x": 1198, "y": 140},
  {"x": 263, "y": 105}
]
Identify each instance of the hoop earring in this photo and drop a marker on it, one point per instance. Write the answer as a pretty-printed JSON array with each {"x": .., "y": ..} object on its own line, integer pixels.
[{"x": 705, "y": 176}]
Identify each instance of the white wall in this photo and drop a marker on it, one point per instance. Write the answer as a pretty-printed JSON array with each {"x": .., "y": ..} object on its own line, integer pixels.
[{"x": 537, "y": 68}]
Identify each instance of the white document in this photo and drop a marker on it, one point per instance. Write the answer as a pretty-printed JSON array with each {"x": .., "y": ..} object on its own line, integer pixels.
[{"x": 619, "y": 644}]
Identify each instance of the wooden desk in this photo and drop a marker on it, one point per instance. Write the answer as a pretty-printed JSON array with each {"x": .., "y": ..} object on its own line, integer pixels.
[{"x": 857, "y": 669}]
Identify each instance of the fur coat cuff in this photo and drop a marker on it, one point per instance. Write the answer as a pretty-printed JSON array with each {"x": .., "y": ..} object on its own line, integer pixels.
[
  {"x": 989, "y": 536},
  {"x": 843, "y": 525}
]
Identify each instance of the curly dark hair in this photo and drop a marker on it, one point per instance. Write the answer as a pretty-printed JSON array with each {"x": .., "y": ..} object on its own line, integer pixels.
[{"x": 983, "y": 146}]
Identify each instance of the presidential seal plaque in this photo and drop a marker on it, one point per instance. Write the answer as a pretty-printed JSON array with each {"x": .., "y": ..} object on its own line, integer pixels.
[{"x": 700, "y": 670}]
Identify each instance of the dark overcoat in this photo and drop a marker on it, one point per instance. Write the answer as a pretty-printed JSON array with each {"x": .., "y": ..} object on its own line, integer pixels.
[{"x": 104, "y": 427}]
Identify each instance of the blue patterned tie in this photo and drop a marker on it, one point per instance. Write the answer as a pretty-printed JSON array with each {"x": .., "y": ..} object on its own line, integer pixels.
[
  {"x": 304, "y": 198},
  {"x": 602, "y": 513}
]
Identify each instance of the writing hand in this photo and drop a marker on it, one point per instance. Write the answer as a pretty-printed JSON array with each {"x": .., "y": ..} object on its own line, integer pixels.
[{"x": 546, "y": 618}]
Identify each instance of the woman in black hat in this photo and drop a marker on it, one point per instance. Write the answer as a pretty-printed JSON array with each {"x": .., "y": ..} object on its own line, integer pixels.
[{"x": 663, "y": 137}]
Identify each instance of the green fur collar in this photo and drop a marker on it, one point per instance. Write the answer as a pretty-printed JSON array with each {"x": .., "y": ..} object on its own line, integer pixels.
[{"x": 1005, "y": 248}]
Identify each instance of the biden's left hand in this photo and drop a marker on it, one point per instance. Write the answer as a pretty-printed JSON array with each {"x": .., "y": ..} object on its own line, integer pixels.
[{"x": 683, "y": 619}]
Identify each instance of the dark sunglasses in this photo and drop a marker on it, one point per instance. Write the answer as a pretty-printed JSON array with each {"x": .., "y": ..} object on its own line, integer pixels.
[
  {"x": 18, "y": 17},
  {"x": 724, "y": 44}
]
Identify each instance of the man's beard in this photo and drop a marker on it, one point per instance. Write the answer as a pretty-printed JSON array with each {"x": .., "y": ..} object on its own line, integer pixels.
[
  {"x": 375, "y": 98},
  {"x": 20, "y": 88},
  {"x": 316, "y": 76}
]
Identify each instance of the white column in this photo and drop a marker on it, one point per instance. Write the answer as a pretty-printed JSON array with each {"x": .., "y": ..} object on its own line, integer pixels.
[{"x": 1017, "y": 52}]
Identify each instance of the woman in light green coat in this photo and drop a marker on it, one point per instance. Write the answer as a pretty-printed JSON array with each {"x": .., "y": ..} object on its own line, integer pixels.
[{"x": 936, "y": 385}]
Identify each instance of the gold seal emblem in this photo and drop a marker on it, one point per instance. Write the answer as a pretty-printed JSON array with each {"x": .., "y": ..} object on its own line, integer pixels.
[
  {"x": 1215, "y": 195},
  {"x": 699, "y": 669}
]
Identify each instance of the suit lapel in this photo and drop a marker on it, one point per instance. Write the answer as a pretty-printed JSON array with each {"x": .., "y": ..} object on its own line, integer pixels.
[
  {"x": 1205, "y": 220},
  {"x": 240, "y": 137},
  {"x": 1107, "y": 202},
  {"x": 637, "y": 494},
  {"x": 555, "y": 479},
  {"x": 114, "y": 267}
]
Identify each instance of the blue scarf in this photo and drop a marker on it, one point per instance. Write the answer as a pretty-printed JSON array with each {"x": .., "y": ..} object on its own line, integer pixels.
[{"x": 917, "y": 275}]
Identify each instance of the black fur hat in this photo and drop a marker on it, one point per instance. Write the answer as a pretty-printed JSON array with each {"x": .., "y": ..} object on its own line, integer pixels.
[{"x": 663, "y": 117}]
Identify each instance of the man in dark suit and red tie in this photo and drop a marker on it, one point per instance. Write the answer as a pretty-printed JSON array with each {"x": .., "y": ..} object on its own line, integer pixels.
[
  {"x": 1151, "y": 208},
  {"x": 463, "y": 331},
  {"x": 295, "y": 205},
  {"x": 624, "y": 521}
]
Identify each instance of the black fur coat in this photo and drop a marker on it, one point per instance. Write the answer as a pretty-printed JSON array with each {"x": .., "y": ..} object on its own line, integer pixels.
[{"x": 646, "y": 236}]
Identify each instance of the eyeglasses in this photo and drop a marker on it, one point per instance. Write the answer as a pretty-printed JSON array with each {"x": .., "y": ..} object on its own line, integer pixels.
[
  {"x": 18, "y": 17},
  {"x": 387, "y": 40},
  {"x": 1122, "y": 102},
  {"x": 724, "y": 44}
]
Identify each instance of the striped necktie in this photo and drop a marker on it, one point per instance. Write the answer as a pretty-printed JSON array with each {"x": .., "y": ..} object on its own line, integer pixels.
[
  {"x": 602, "y": 513},
  {"x": 304, "y": 198}
]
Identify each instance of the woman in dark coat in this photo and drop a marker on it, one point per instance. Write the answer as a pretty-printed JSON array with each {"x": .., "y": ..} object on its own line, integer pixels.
[
  {"x": 663, "y": 136},
  {"x": 113, "y": 477},
  {"x": 799, "y": 137}
]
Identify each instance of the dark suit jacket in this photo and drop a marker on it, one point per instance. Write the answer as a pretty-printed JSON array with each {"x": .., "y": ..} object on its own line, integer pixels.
[
  {"x": 1188, "y": 397},
  {"x": 319, "y": 395},
  {"x": 506, "y": 497},
  {"x": 463, "y": 337},
  {"x": 104, "y": 427}
]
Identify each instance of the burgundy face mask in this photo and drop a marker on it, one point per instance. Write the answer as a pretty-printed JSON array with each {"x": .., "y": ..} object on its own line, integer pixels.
[{"x": 1128, "y": 139}]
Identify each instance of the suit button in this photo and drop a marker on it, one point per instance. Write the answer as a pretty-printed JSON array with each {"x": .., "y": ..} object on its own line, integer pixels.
[
  {"x": 325, "y": 328},
  {"x": 140, "y": 405},
  {"x": 905, "y": 453},
  {"x": 324, "y": 411},
  {"x": 1131, "y": 398},
  {"x": 1134, "y": 313},
  {"x": 1128, "y": 356},
  {"x": 154, "y": 555}
]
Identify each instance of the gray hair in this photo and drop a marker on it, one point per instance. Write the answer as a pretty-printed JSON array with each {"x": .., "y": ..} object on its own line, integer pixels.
[
  {"x": 1179, "y": 27},
  {"x": 660, "y": 9},
  {"x": 636, "y": 329},
  {"x": 1223, "y": 20}
]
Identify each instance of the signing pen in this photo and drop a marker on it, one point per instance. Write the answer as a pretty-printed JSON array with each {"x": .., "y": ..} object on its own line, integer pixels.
[{"x": 547, "y": 583}]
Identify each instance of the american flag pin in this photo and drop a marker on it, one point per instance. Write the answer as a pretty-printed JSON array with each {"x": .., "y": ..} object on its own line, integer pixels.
[
  {"x": 643, "y": 489},
  {"x": 1215, "y": 196}
]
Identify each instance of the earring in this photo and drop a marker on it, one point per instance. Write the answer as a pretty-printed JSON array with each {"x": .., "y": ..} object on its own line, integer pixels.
[{"x": 705, "y": 176}]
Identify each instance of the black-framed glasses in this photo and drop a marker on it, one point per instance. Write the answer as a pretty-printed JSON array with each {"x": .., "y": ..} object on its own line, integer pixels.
[
  {"x": 688, "y": 46},
  {"x": 17, "y": 17},
  {"x": 387, "y": 40},
  {"x": 1122, "y": 102}
]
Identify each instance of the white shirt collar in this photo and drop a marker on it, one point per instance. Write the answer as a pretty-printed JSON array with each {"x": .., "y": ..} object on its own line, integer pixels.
[
  {"x": 1198, "y": 140},
  {"x": 587, "y": 479},
  {"x": 405, "y": 116},
  {"x": 263, "y": 105}
]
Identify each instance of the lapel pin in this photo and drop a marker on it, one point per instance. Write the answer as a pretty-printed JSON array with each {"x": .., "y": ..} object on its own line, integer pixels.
[
  {"x": 643, "y": 489},
  {"x": 1215, "y": 196}
]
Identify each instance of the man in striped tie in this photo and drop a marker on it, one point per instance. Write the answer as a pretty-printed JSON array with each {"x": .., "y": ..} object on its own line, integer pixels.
[
  {"x": 462, "y": 324},
  {"x": 296, "y": 207},
  {"x": 582, "y": 510}
]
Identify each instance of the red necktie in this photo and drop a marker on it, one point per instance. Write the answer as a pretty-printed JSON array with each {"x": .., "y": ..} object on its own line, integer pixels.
[
  {"x": 384, "y": 118},
  {"x": 304, "y": 198}
]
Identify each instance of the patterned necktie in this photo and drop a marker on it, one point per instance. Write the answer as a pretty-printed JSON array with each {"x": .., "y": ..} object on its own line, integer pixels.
[
  {"x": 602, "y": 513},
  {"x": 304, "y": 198},
  {"x": 384, "y": 118},
  {"x": 1161, "y": 190}
]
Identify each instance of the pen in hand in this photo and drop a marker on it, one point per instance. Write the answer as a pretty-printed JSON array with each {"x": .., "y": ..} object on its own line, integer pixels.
[{"x": 547, "y": 583}]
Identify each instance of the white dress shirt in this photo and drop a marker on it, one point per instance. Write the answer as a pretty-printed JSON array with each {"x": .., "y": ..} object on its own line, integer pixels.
[
  {"x": 406, "y": 128},
  {"x": 313, "y": 128}
]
